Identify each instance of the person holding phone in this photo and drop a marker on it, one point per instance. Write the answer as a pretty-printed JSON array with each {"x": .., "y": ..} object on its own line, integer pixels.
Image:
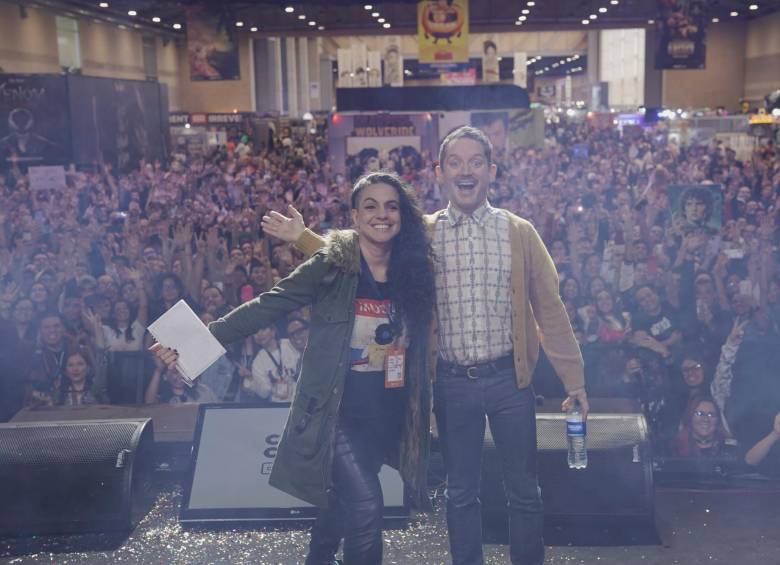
[{"x": 362, "y": 398}]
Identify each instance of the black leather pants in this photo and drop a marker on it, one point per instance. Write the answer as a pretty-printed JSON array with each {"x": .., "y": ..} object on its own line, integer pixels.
[{"x": 356, "y": 504}]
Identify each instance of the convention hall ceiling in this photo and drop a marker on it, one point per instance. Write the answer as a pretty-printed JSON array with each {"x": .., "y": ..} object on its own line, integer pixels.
[{"x": 329, "y": 17}]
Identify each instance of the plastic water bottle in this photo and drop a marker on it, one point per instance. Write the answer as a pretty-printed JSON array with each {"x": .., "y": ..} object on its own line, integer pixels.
[{"x": 576, "y": 434}]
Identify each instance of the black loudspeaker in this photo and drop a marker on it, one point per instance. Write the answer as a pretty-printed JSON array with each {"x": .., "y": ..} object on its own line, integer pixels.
[
  {"x": 71, "y": 477},
  {"x": 617, "y": 484}
]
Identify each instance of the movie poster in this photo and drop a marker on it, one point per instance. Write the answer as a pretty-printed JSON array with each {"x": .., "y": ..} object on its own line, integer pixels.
[
  {"x": 696, "y": 207},
  {"x": 443, "y": 31},
  {"x": 520, "y": 73},
  {"x": 393, "y": 63},
  {"x": 680, "y": 34},
  {"x": 212, "y": 46},
  {"x": 34, "y": 120},
  {"x": 490, "y": 71}
]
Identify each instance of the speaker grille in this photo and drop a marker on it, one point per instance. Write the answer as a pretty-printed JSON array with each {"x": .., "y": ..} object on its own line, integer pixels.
[
  {"x": 71, "y": 443},
  {"x": 605, "y": 431}
]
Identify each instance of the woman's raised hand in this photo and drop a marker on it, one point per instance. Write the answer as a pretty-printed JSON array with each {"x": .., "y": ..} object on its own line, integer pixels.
[
  {"x": 167, "y": 356},
  {"x": 284, "y": 228}
]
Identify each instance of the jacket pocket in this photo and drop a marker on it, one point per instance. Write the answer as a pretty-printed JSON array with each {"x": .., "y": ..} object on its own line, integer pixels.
[{"x": 307, "y": 425}]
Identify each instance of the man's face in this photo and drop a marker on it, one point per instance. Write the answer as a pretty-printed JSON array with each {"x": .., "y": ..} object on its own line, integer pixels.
[
  {"x": 51, "y": 332},
  {"x": 648, "y": 301},
  {"x": 259, "y": 275},
  {"x": 213, "y": 299},
  {"x": 695, "y": 210},
  {"x": 466, "y": 174},
  {"x": 71, "y": 308}
]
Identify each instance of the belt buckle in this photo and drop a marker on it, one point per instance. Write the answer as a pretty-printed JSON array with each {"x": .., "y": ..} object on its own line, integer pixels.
[{"x": 469, "y": 373}]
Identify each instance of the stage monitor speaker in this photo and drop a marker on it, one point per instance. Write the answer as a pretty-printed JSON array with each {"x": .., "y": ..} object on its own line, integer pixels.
[
  {"x": 234, "y": 450},
  {"x": 617, "y": 484},
  {"x": 71, "y": 477}
]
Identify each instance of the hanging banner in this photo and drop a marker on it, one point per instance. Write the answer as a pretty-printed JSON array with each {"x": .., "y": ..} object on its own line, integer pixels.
[
  {"x": 680, "y": 34},
  {"x": 212, "y": 47},
  {"x": 374, "y": 69},
  {"x": 34, "y": 120},
  {"x": 520, "y": 73},
  {"x": 359, "y": 65},
  {"x": 443, "y": 31},
  {"x": 567, "y": 90},
  {"x": 490, "y": 71},
  {"x": 460, "y": 78},
  {"x": 393, "y": 63},
  {"x": 344, "y": 62}
]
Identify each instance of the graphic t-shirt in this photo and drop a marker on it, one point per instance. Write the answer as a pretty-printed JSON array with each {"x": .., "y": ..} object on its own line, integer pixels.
[{"x": 365, "y": 395}]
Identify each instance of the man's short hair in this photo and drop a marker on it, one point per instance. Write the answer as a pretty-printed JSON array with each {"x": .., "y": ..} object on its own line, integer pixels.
[{"x": 467, "y": 132}]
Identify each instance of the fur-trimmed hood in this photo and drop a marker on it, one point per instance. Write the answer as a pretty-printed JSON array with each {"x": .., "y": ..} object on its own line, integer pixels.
[{"x": 342, "y": 250}]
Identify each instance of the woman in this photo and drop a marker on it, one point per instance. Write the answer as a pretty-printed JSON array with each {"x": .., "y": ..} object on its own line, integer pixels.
[
  {"x": 79, "y": 386},
  {"x": 371, "y": 291},
  {"x": 613, "y": 326},
  {"x": 122, "y": 332},
  {"x": 702, "y": 434}
]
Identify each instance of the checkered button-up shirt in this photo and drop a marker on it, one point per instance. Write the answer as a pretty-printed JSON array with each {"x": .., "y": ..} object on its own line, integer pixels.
[{"x": 473, "y": 286}]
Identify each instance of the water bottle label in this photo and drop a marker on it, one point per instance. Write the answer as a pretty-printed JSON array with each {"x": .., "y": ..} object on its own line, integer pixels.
[{"x": 575, "y": 428}]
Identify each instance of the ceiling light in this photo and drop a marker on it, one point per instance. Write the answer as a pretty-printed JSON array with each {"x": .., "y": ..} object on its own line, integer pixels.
[
  {"x": 585, "y": 22},
  {"x": 531, "y": 3},
  {"x": 753, "y": 7},
  {"x": 239, "y": 24},
  {"x": 525, "y": 11},
  {"x": 593, "y": 16},
  {"x": 312, "y": 23},
  {"x": 103, "y": 4},
  {"x": 715, "y": 20},
  {"x": 518, "y": 23},
  {"x": 253, "y": 28},
  {"x": 320, "y": 28},
  {"x": 132, "y": 13},
  {"x": 374, "y": 14},
  {"x": 603, "y": 10},
  {"x": 156, "y": 19},
  {"x": 176, "y": 26},
  {"x": 381, "y": 20},
  {"x": 613, "y": 2},
  {"x": 289, "y": 9},
  {"x": 301, "y": 16},
  {"x": 522, "y": 18},
  {"x": 651, "y": 22},
  {"x": 734, "y": 14},
  {"x": 368, "y": 7},
  {"x": 547, "y": 68},
  {"x": 386, "y": 25}
]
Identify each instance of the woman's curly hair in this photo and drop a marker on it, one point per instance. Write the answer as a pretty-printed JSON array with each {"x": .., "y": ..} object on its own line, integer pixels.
[{"x": 410, "y": 273}]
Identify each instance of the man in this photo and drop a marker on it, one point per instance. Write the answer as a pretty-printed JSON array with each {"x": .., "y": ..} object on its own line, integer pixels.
[{"x": 496, "y": 296}]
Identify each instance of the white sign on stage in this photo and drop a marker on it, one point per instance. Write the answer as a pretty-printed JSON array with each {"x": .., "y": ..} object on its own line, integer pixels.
[{"x": 234, "y": 450}]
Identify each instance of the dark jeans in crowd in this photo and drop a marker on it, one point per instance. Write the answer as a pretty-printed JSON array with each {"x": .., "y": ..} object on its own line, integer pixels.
[
  {"x": 460, "y": 405},
  {"x": 355, "y": 505}
]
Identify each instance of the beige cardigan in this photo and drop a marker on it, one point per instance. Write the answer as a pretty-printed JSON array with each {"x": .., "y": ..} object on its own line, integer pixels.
[{"x": 538, "y": 314}]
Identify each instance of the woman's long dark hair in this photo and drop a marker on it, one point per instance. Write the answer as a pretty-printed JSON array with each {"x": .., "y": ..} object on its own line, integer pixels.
[{"x": 410, "y": 273}]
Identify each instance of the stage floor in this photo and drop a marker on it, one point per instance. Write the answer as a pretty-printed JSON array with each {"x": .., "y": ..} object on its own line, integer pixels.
[{"x": 734, "y": 526}]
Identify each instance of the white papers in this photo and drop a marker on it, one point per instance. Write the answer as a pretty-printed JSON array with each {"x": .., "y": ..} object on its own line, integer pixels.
[{"x": 180, "y": 329}]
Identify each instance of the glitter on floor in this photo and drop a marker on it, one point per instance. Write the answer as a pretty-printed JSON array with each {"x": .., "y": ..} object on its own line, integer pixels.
[{"x": 695, "y": 527}]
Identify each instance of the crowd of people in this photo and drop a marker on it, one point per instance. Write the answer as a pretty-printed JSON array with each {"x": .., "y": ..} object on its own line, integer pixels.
[{"x": 674, "y": 295}]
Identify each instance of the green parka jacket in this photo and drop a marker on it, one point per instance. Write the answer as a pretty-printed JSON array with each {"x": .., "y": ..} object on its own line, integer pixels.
[{"x": 328, "y": 282}]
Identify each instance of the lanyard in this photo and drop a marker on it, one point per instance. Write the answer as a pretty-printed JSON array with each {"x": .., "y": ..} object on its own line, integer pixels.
[{"x": 277, "y": 364}]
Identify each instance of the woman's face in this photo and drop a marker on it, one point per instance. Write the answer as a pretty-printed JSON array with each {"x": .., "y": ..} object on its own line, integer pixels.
[
  {"x": 121, "y": 312},
  {"x": 570, "y": 289},
  {"x": 692, "y": 372},
  {"x": 604, "y": 302},
  {"x": 704, "y": 421},
  {"x": 38, "y": 293},
  {"x": 76, "y": 368},
  {"x": 377, "y": 217},
  {"x": 130, "y": 293},
  {"x": 170, "y": 291},
  {"x": 596, "y": 286}
]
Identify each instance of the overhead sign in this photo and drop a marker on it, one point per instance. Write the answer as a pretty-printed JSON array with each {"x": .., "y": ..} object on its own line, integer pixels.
[{"x": 443, "y": 31}]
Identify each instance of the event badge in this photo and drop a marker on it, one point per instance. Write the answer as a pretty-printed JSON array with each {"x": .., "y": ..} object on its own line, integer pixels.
[{"x": 394, "y": 367}]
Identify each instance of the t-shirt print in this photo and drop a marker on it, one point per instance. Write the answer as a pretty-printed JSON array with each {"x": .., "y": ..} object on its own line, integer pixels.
[{"x": 367, "y": 354}]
